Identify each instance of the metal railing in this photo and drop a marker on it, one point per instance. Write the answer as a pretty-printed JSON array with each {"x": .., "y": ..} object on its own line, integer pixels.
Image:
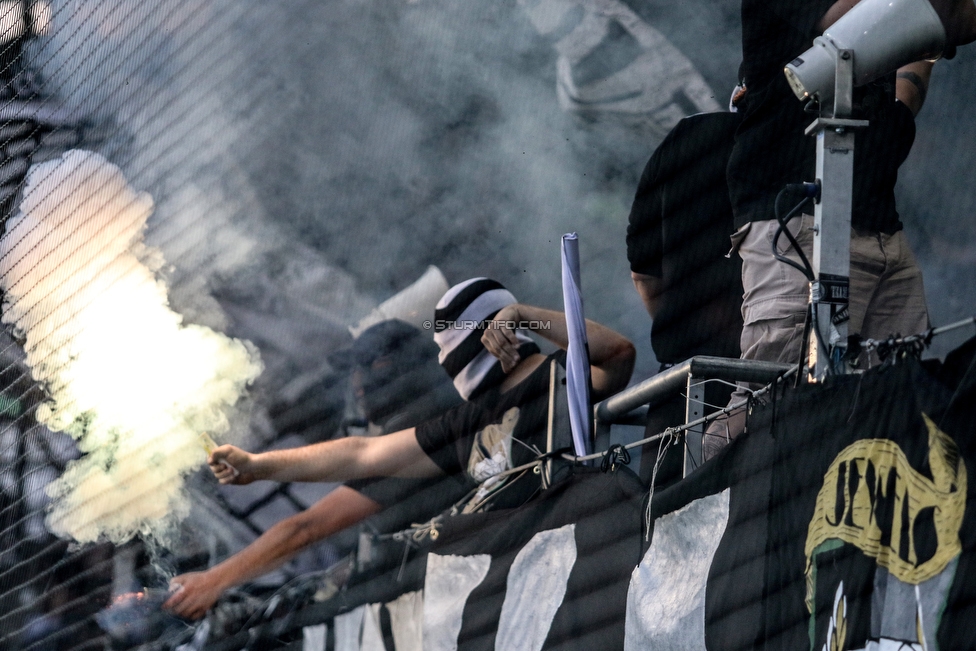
[{"x": 631, "y": 406}]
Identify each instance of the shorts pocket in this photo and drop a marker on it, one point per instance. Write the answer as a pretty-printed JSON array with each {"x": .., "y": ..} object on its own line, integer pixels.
[
  {"x": 737, "y": 238},
  {"x": 802, "y": 230},
  {"x": 773, "y": 340}
]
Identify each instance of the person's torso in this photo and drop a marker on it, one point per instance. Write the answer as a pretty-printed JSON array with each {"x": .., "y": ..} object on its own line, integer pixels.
[
  {"x": 699, "y": 310},
  {"x": 772, "y": 149}
]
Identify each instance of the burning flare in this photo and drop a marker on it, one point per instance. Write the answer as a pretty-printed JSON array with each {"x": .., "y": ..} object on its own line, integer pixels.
[{"x": 127, "y": 379}]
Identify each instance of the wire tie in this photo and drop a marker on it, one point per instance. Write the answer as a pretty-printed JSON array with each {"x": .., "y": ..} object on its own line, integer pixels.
[{"x": 614, "y": 456}]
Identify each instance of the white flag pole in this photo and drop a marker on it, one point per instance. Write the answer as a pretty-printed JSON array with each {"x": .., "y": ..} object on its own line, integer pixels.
[{"x": 578, "y": 353}]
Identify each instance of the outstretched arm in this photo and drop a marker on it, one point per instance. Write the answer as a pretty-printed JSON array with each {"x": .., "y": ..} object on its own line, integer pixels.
[
  {"x": 611, "y": 354},
  {"x": 356, "y": 457},
  {"x": 197, "y": 592}
]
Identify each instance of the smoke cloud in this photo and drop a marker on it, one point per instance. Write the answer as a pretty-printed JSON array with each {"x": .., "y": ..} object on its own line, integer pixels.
[
  {"x": 126, "y": 378},
  {"x": 308, "y": 159}
]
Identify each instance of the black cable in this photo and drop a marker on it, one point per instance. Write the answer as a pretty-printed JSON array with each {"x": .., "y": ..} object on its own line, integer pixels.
[
  {"x": 614, "y": 457},
  {"x": 811, "y": 191},
  {"x": 823, "y": 348},
  {"x": 806, "y": 269},
  {"x": 805, "y": 343}
]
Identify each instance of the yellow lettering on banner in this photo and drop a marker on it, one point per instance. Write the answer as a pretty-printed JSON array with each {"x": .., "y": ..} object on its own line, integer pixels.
[{"x": 873, "y": 499}]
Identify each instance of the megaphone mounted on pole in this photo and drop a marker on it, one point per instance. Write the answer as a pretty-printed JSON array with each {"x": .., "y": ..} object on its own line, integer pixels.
[
  {"x": 880, "y": 35},
  {"x": 874, "y": 38}
]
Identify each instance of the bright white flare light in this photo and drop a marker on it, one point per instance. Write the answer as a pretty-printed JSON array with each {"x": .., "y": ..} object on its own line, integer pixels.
[{"x": 127, "y": 379}]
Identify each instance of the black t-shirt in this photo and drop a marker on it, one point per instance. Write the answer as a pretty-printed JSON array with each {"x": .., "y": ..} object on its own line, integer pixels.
[
  {"x": 771, "y": 148},
  {"x": 406, "y": 501},
  {"x": 521, "y": 411},
  {"x": 416, "y": 499},
  {"x": 395, "y": 491},
  {"x": 679, "y": 230}
]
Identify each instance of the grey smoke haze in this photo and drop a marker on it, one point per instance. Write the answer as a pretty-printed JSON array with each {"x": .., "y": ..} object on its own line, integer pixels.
[
  {"x": 131, "y": 384},
  {"x": 937, "y": 196},
  {"x": 308, "y": 159},
  {"x": 365, "y": 139}
]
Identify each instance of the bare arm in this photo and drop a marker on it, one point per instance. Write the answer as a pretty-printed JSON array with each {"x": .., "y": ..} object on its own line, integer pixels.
[
  {"x": 199, "y": 591},
  {"x": 912, "y": 84},
  {"x": 649, "y": 289},
  {"x": 611, "y": 354},
  {"x": 356, "y": 457}
]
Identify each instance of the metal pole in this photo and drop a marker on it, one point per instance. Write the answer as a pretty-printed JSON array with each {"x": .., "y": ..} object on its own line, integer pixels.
[
  {"x": 832, "y": 225},
  {"x": 658, "y": 388},
  {"x": 694, "y": 410}
]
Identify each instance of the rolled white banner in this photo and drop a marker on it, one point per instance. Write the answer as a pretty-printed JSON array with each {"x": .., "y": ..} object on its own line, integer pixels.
[{"x": 578, "y": 353}]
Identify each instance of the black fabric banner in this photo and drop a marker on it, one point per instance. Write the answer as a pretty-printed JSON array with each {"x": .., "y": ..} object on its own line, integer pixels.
[
  {"x": 851, "y": 525},
  {"x": 850, "y": 517},
  {"x": 607, "y": 514}
]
